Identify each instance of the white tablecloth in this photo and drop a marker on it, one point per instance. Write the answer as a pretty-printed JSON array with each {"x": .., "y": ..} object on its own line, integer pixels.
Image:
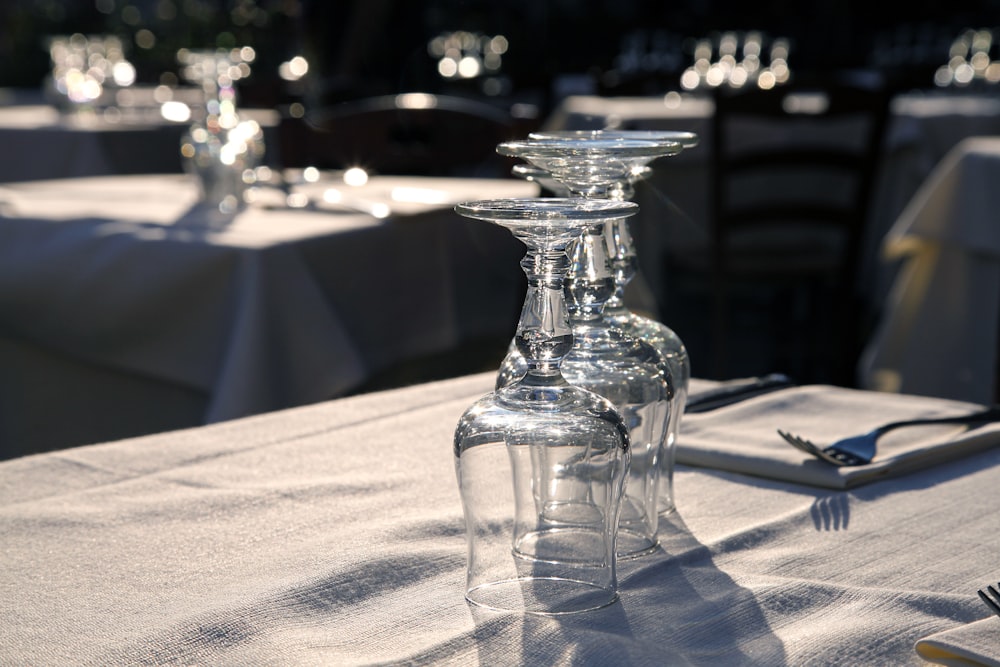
[
  {"x": 939, "y": 335},
  {"x": 333, "y": 534},
  {"x": 273, "y": 309},
  {"x": 39, "y": 143}
]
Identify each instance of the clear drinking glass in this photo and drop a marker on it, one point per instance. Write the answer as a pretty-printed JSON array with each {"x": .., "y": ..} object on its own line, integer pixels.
[
  {"x": 541, "y": 463},
  {"x": 625, "y": 265},
  {"x": 220, "y": 150},
  {"x": 629, "y": 373}
]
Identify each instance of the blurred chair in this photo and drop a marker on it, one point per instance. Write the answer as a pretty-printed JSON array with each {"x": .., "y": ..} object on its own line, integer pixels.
[
  {"x": 411, "y": 133},
  {"x": 793, "y": 170}
]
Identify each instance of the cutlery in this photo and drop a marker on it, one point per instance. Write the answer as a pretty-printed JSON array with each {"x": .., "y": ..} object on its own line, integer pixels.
[
  {"x": 860, "y": 449},
  {"x": 734, "y": 391},
  {"x": 994, "y": 602}
]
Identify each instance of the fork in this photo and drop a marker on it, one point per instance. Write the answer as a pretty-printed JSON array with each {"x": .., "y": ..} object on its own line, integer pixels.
[
  {"x": 860, "y": 449},
  {"x": 994, "y": 603}
]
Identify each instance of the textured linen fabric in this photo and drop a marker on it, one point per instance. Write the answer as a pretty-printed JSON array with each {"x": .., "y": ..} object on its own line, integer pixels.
[
  {"x": 743, "y": 437},
  {"x": 333, "y": 534}
]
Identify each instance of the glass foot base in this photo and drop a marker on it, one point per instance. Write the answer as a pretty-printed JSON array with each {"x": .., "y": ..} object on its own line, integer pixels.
[
  {"x": 632, "y": 544},
  {"x": 548, "y": 596}
]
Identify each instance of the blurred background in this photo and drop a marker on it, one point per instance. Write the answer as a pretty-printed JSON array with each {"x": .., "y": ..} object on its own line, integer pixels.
[
  {"x": 549, "y": 48},
  {"x": 99, "y": 99}
]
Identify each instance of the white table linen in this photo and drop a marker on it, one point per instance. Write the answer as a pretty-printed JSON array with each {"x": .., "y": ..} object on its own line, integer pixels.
[
  {"x": 41, "y": 142},
  {"x": 271, "y": 309},
  {"x": 939, "y": 332},
  {"x": 965, "y": 646},
  {"x": 333, "y": 534}
]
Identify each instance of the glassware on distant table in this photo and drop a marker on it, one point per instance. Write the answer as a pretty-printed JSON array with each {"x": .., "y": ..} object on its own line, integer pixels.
[
  {"x": 541, "y": 463},
  {"x": 219, "y": 149},
  {"x": 606, "y": 164},
  {"x": 86, "y": 70}
]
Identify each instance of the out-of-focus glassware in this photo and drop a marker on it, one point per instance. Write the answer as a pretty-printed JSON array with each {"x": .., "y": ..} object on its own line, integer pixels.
[
  {"x": 219, "y": 149},
  {"x": 971, "y": 61},
  {"x": 87, "y": 70},
  {"x": 738, "y": 59},
  {"x": 541, "y": 463},
  {"x": 471, "y": 56},
  {"x": 617, "y": 177}
]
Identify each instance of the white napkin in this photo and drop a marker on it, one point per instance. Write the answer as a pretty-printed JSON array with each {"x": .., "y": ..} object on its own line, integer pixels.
[
  {"x": 971, "y": 645},
  {"x": 743, "y": 437}
]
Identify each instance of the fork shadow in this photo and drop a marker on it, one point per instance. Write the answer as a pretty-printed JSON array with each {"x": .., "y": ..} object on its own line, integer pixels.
[{"x": 831, "y": 512}]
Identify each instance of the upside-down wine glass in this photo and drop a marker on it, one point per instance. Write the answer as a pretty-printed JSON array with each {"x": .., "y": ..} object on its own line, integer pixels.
[
  {"x": 541, "y": 463},
  {"x": 604, "y": 359},
  {"x": 624, "y": 261}
]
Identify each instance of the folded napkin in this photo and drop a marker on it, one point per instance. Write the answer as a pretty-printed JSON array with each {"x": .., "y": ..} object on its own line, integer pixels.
[
  {"x": 968, "y": 645},
  {"x": 742, "y": 437}
]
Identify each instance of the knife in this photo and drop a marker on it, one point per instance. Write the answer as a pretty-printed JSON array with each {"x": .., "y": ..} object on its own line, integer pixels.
[{"x": 734, "y": 391}]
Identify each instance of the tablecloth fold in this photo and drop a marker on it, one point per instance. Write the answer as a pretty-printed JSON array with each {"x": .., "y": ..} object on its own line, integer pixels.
[{"x": 971, "y": 645}]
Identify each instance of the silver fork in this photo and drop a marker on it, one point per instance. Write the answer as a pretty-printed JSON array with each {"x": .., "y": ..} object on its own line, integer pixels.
[
  {"x": 860, "y": 449},
  {"x": 994, "y": 603}
]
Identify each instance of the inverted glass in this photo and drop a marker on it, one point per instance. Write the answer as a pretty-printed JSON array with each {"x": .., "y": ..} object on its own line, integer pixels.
[
  {"x": 624, "y": 262},
  {"x": 541, "y": 463}
]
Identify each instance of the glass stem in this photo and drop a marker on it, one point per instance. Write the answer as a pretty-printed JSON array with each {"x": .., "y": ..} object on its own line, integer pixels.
[
  {"x": 624, "y": 262},
  {"x": 543, "y": 333}
]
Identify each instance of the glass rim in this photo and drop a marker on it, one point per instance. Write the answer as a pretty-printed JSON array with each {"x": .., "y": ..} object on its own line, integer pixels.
[
  {"x": 589, "y": 147},
  {"x": 541, "y": 209},
  {"x": 685, "y": 138}
]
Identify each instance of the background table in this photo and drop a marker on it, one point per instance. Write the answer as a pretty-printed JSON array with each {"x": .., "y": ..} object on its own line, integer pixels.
[
  {"x": 673, "y": 217},
  {"x": 42, "y": 142},
  {"x": 333, "y": 534},
  {"x": 125, "y": 309},
  {"x": 939, "y": 334}
]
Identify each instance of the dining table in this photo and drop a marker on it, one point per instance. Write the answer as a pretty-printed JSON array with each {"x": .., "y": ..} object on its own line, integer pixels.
[
  {"x": 46, "y": 140},
  {"x": 923, "y": 126},
  {"x": 939, "y": 334},
  {"x": 333, "y": 533},
  {"x": 127, "y": 306}
]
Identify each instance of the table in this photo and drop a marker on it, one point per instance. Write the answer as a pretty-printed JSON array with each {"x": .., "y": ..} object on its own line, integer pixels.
[
  {"x": 40, "y": 142},
  {"x": 941, "y": 323},
  {"x": 124, "y": 309},
  {"x": 673, "y": 216},
  {"x": 333, "y": 534}
]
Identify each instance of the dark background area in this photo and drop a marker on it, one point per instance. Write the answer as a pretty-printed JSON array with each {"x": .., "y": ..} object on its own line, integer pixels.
[{"x": 363, "y": 47}]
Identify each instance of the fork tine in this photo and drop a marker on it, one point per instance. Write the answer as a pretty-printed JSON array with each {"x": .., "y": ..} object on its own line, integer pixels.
[
  {"x": 809, "y": 448},
  {"x": 994, "y": 605},
  {"x": 801, "y": 443},
  {"x": 795, "y": 441}
]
